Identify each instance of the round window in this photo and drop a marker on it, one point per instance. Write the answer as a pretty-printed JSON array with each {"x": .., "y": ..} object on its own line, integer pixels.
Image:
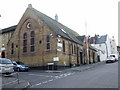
[{"x": 28, "y": 25}]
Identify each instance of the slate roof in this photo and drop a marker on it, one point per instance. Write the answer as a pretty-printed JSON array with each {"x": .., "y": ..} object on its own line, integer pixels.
[
  {"x": 81, "y": 38},
  {"x": 9, "y": 29},
  {"x": 101, "y": 39},
  {"x": 58, "y": 28},
  {"x": 98, "y": 39}
]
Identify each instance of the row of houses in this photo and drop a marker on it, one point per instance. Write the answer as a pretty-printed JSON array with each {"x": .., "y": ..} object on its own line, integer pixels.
[
  {"x": 39, "y": 41},
  {"x": 105, "y": 45}
]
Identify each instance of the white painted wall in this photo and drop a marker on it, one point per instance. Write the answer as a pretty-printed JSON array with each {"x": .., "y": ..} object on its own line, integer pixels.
[
  {"x": 105, "y": 48},
  {"x": 113, "y": 46},
  {"x": 103, "y": 54}
]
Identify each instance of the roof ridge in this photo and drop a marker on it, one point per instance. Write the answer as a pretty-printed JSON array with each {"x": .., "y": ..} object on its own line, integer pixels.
[{"x": 57, "y": 27}]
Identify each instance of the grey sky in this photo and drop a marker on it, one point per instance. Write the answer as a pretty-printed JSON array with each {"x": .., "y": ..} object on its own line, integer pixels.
[{"x": 101, "y": 15}]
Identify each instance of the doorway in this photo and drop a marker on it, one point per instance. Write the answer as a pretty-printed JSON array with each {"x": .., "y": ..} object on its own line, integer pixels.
[
  {"x": 3, "y": 54},
  {"x": 81, "y": 58}
]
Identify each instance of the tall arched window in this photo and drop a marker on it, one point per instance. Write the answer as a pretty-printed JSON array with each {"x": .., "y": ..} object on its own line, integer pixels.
[
  {"x": 48, "y": 42},
  {"x": 24, "y": 42},
  {"x": 32, "y": 41},
  {"x": 63, "y": 46},
  {"x": 12, "y": 48}
]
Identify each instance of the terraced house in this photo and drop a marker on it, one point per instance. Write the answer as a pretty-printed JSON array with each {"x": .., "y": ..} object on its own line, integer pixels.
[
  {"x": 39, "y": 41},
  {"x": 5, "y": 35}
]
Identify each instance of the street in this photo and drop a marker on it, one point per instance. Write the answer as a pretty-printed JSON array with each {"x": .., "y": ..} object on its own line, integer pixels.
[{"x": 101, "y": 76}]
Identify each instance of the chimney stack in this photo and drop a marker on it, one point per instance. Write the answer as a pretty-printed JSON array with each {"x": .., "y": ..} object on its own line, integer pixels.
[
  {"x": 56, "y": 17},
  {"x": 29, "y": 5}
]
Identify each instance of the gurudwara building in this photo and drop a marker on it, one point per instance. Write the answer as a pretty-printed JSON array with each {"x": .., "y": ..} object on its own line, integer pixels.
[{"x": 39, "y": 41}]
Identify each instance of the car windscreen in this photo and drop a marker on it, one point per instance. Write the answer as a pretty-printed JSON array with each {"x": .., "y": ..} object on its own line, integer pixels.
[
  {"x": 5, "y": 61},
  {"x": 20, "y": 63},
  {"x": 112, "y": 55}
]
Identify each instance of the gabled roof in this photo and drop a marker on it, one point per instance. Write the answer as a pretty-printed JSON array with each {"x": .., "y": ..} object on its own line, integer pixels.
[
  {"x": 57, "y": 27},
  {"x": 98, "y": 39},
  {"x": 81, "y": 38},
  {"x": 9, "y": 29},
  {"x": 101, "y": 39}
]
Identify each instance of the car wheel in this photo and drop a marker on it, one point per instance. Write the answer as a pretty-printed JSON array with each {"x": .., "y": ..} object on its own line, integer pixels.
[{"x": 18, "y": 69}]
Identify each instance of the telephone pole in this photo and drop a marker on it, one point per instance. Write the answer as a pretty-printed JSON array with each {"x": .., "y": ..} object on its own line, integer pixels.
[{"x": 87, "y": 46}]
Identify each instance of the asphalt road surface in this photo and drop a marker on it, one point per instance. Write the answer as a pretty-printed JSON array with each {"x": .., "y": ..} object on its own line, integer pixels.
[{"x": 101, "y": 76}]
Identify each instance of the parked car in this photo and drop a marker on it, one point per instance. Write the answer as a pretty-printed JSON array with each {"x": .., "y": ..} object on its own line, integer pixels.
[
  {"x": 115, "y": 56},
  {"x": 20, "y": 66},
  {"x": 110, "y": 60},
  {"x": 6, "y": 66}
]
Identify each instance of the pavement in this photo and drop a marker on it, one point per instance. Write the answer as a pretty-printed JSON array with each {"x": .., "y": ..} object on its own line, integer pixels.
[{"x": 22, "y": 84}]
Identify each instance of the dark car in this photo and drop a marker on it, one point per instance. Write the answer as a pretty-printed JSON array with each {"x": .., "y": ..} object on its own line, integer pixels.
[
  {"x": 110, "y": 60},
  {"x": 20, "y": 66}
]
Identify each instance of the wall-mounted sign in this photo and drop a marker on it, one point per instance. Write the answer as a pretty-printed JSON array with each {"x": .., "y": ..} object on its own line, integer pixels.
[
  {"x": 50, "y": 63},
  {"x": 59, "y": 49},
  {"x": 59, "y": 44},
  {"x": 3, "y": 48},
  {"x": 55, "y": 58}
]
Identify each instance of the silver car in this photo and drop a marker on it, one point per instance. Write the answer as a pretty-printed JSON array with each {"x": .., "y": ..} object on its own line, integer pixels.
[{"x": 6, "y": 66}]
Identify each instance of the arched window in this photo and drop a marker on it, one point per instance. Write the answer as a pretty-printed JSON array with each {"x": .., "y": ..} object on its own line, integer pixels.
[
  {"x": 63, "y": 46},
  {"x": 48, "y": 42},
  {"x": 24, "y": 42},
  {"x": 32, "y": 41},
  {"x": 74, "y": 49},
  {"x": 12, "y": 48}
]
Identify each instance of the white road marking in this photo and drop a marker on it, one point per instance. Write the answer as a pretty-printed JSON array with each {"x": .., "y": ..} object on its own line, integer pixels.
[
  {"x": 45, "y": 82},
  {"x": 40, "y": 75},
  {"x": 50, "y": 80},
  {"x": 56, "y": 77},
  {"x": 38, "y": 84}
]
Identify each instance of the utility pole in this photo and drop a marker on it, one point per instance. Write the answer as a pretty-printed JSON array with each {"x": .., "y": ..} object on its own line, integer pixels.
[{"x": 87, "y": 46}]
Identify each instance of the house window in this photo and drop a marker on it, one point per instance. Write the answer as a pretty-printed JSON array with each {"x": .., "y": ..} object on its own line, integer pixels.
[
  {"x": 74, "y": 49},
  {"x": 24, "y": 42},
  {"x": 32, "y": 41},
  {"x": 12, "y": 48},
  {"x": 63, "y": 46},
  {"x": 3, "y": 36},
  {"x": 48, "y": 42}
]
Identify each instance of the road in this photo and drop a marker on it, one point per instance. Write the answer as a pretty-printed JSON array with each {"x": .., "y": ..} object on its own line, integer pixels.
[{"x": 102, "y": 76}]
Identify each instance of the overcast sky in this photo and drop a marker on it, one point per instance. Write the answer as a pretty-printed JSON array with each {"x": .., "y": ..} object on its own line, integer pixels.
[{"x": 101, "y": 15}]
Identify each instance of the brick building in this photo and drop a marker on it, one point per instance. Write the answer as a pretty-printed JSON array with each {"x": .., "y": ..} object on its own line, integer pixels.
[
  {"x": 39, "y": 40},
  {"x": 5, "y": 35}
]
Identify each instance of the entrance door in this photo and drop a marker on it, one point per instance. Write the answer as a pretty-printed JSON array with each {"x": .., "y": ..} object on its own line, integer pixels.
[
  {"x": 93, "y": 57},
  {"x": 81, "y": 58},
  {"x": 3, "y": 54}
]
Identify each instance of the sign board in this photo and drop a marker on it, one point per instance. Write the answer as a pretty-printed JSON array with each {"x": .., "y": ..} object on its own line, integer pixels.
[
  {"x": 3, "y": 48},
  {"x": 59, "y": 49},
  {"x": 56, "y": 59},
  {"x": 59, "y": 44},
  {"x": 50, "y": 63}
]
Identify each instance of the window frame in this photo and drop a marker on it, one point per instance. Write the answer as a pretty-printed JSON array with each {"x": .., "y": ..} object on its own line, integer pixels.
[
  {"x": 12, "y": 48},
  {"x": 25, "y": 38},
  {"x": 63, "y": 46},
  {"x": 32, "y": 41},
  {"x": 48, "y": 42}
]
